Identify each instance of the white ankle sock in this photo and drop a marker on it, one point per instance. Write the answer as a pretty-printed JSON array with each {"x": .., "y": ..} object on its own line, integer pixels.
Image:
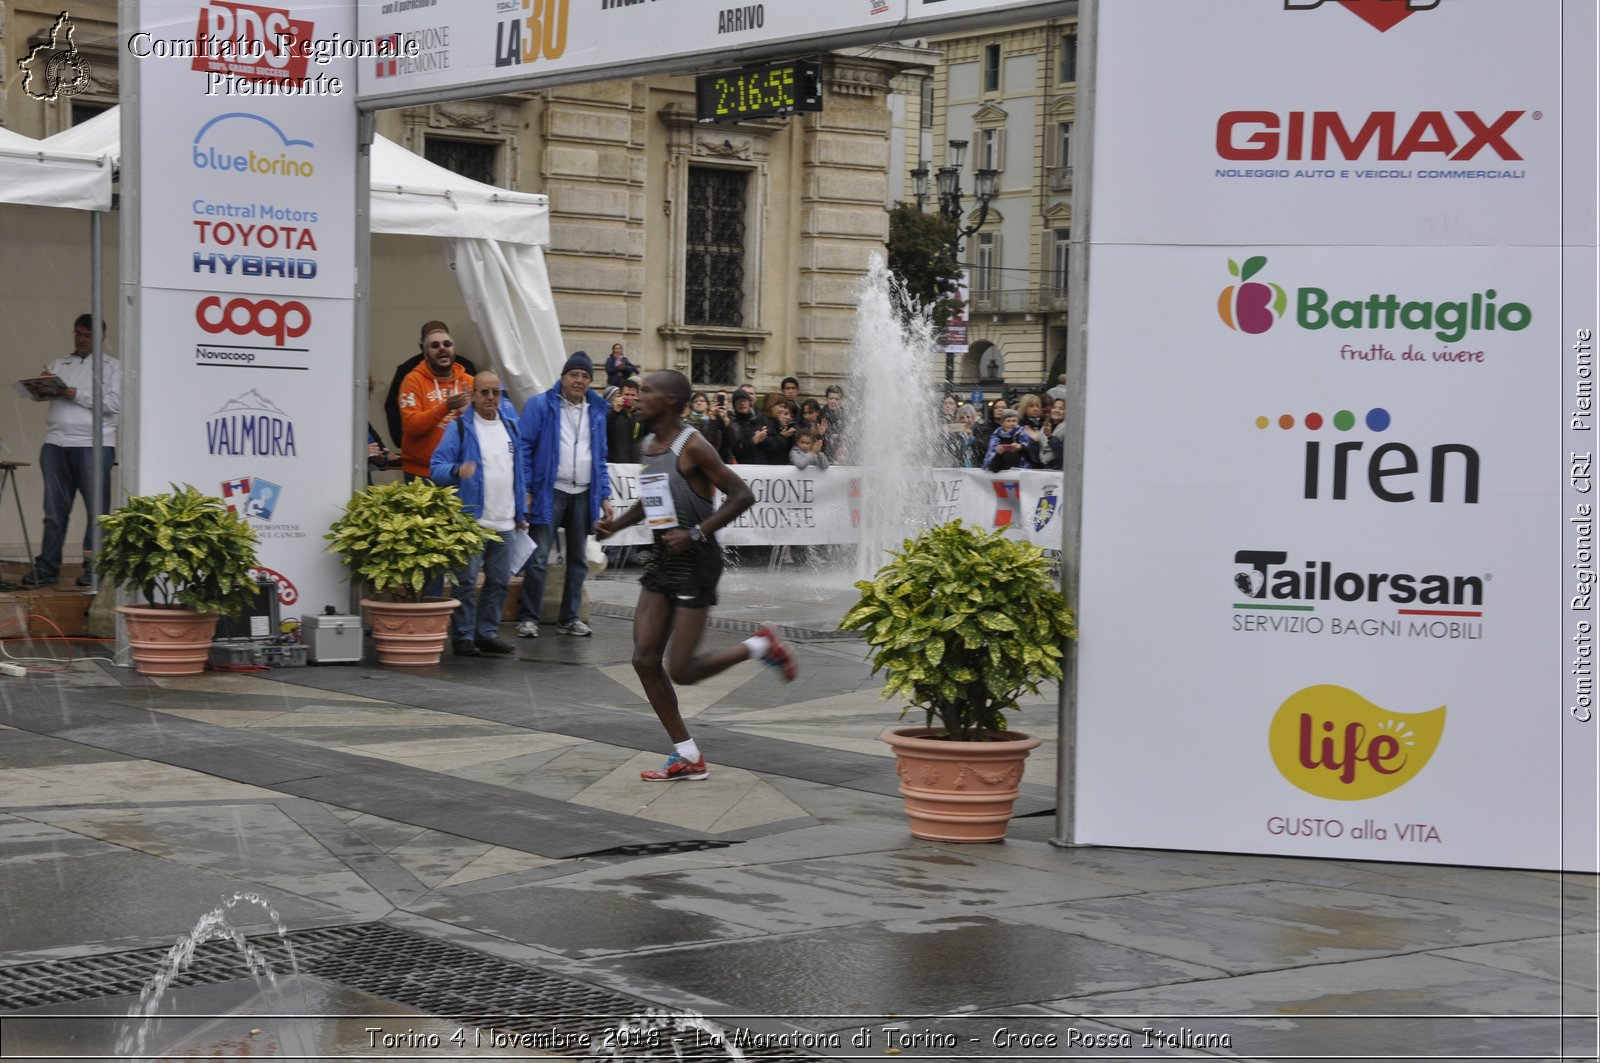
[
  {"x": 759, "y": 646},
  {"x": 687, "y": 750}
]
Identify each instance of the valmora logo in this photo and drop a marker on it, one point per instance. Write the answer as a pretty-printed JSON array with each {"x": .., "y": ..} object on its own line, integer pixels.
[
  {"x": 254, "y": 43},
  {"x": 1253, "y": 136},
  {"x": 1331, "y": 742},
  {"x": 1381, "y": 15},
  {"x": 1250, "y": 306}
]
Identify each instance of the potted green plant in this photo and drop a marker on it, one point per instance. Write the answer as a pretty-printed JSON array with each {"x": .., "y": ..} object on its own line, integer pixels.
[
  {"x": 397, "y": 538},
  {"x": 963, "y": 622},
  {"x": 189, "y": 558}
]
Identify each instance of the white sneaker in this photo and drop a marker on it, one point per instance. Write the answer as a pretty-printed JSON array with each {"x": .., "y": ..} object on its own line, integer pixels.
[
  {"x": 575, "y": 627},
  {"x": 528, "y": 629}
]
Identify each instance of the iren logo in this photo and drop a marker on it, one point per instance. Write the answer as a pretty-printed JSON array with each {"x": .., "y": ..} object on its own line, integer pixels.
[
  {"x": 1389, "y": 468},
  {"x": 1331, "y": 742}
]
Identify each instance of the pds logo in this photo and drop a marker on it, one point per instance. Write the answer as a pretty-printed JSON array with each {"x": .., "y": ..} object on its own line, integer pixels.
[
  {"x": 1381, "y": 15},
  {"x": 1331, "y": 742}
]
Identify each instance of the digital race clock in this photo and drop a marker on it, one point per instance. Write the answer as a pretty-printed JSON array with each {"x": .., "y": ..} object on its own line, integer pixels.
[{"x": 758, "y": 91}]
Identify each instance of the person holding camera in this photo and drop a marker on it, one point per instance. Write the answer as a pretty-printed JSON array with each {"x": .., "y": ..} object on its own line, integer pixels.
[{"x": 711, "y": 421}]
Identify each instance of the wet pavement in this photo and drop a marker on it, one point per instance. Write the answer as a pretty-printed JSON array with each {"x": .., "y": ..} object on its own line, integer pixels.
[{"x": 468, "y": 849}]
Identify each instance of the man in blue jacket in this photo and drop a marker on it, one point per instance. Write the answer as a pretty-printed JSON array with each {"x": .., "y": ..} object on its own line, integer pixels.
[
  {"x": 564, "y": 451},
  {"x": 481, "y": 456}
]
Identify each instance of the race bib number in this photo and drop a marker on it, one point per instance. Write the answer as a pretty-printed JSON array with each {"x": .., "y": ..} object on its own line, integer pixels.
[{"x": 656, "y": 494}]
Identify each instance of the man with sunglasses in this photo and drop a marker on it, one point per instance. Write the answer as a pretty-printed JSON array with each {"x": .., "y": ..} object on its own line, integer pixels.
[
  {"x": 391, "y": 398},
  {"x": 481, "y": 456},
  {"x": 432, "y": 396}
]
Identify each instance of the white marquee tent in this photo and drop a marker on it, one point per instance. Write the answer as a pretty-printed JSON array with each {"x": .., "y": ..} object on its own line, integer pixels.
[{"x": 494, "y": 236}]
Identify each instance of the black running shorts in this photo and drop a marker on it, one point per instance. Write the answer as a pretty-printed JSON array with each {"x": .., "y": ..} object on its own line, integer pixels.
[{"x": 688, "y": 579}]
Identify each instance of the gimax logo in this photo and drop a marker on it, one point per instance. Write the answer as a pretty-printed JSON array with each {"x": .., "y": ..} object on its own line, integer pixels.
[{"x": 1331, "y": 742}]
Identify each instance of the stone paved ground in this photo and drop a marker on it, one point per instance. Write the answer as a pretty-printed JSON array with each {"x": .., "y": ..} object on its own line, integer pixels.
[{"x": 486, "y": 808}]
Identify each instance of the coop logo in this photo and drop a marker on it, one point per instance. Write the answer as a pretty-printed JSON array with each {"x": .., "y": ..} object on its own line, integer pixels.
[
  {"x": 1331, "y": 742},
  {"x": 288, "y": 593},
  {"x": 253, "y": 426},
  {"x": 539, "y": 31},
  {"x": 1268, "y": 576},
  {"x": 1250, "y": 306},
  {"x": 250, "y": 42},
  {"x": 251, "y": 497},
  {"x": 1381, "y": 15},
  {"x": 241, "y": 142},
  {"x": 1391, "y": 472},
  {"x": 1254, "y": 307},
  {"x": 267, "y": 318},
  {"x": 1385, "y": 136}
]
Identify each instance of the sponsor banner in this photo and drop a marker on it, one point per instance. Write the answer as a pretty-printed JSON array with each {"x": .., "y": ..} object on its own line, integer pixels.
[
  {"x": 247, "y": 132},
  {"x": 1337, "y": 508},
  {"x": 443, "y": 46},
  {"x": 800, "y": 507},
  {"x": 1271, "y": 139},
  {"x": 249, "y": 120},
  {"x": 253, "y": 430}
]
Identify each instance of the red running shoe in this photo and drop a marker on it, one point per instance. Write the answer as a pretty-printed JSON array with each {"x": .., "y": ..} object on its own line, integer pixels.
[
  {"x": 675, "y": 767},
  {"x": 779, "y": 655}
]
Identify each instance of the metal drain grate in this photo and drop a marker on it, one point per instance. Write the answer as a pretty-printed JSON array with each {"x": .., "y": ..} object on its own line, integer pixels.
[{"x": 433, "y": 977}]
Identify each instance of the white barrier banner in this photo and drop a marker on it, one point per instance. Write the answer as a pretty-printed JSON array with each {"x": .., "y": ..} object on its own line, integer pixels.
[
  {"x": 1349, "y": 514},
  {"x": 807, "y": 507}
]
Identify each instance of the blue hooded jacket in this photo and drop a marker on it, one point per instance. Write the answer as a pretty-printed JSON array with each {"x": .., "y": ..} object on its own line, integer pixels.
[
  {"x": 459, "y": 445},
  {"x": 541, "y": 450}
]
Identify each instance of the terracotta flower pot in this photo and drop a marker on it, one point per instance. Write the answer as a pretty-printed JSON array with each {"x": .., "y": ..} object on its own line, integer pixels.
[
  {"x": 169, "y": 641},
  {"x": 958, "y": 791},
  {"x": 410, "y": 634}
]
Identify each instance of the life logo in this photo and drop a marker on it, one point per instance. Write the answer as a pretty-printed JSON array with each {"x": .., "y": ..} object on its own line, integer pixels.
[
  {"x": 244, "y": 143},
  {"x": 252, "y": 498},
  {"x": 1254, "y": 306},
  {"x": 251, "y": 42},
  {"x": 1391, "y": 472},
  {"x": 1381, "y": 15},
  {"x": 1331, "y": 742}
]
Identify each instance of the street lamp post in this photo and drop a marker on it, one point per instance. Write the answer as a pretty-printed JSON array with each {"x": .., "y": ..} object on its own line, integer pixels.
[
  {"x": 948, "y": 186},
  {"x": 950, "y": 192}
]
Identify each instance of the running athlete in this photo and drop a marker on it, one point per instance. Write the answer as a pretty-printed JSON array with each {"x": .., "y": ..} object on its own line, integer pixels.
[{"x": 679, "y": 476}]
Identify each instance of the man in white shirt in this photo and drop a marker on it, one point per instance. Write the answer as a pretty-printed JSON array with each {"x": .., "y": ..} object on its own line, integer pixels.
[
  {"x": 66, "y": 460},
  {"x": 480, "y": 455}
]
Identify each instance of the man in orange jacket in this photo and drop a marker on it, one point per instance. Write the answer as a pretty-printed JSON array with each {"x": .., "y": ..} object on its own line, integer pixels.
[{"x": 431, "y": 396}]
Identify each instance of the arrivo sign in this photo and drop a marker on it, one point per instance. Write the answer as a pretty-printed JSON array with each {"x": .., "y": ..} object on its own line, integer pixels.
[
  {"x": 263, "y": 317},
  {"x": 1248, "y": 136}
]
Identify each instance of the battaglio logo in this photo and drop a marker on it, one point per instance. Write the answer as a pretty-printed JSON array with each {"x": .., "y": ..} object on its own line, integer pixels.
[
  {"x": 1331, "y": 742},
  {"x": 1250, "y": 306},
  {"x": 1255, "y": 306}
]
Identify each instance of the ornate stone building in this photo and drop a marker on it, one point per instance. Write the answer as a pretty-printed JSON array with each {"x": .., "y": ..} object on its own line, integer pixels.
[
  {"x": 1011, "y": 93},
  {"x": 731, "y": 252}
]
